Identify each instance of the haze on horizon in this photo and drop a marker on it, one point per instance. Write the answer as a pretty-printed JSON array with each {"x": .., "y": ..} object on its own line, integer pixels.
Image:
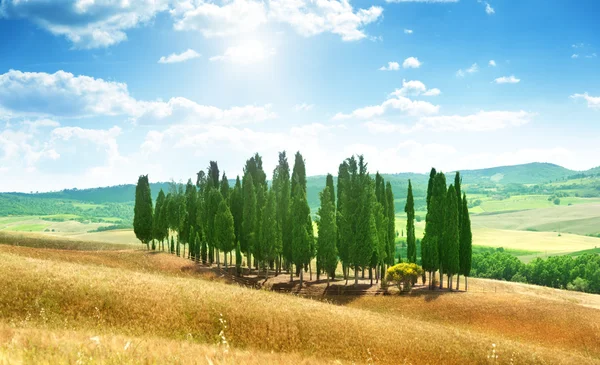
[{"x": 97, "y": 93}]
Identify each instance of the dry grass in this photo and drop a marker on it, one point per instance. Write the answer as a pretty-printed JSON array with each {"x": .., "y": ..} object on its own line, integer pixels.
[
  {"x": 39, "y": 240},
  {"x": 54, "y": 294},
  {"x": 58, "y": 346}
]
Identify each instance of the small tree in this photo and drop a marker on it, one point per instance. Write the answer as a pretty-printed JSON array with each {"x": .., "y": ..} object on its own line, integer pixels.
[
  {"x": 411, "y": 247},
  {"x": 404, "y": 275}
]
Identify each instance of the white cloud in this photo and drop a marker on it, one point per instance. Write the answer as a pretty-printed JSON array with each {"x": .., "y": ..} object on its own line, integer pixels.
[
  {"x": 411, "y": 62},
  {"x": 310, "y": 18},
  {"x": 492, "y": 63},
  {"x": 488, "y": 9},
  {"x": 40, "y": 123},
  {"x": 399, "y": 103},
  {"x": 303, "y": 107},
  {"x": 63, "y": 94},
  {"x": 391, "y": 66},
  {"x": 408, "y": 31},
  {"x": 507, "y": 80},
  {"x": 415, "y": 87},
  {"x": 473, "y": 69},
  {"x": 481, "y": 121},
  {"x": 86, "y": 24},
  {"x": 592, "y": 102},
  {"x": 578, "y": 45},
  {"x": 181, "y": 57},
  {"x": 574, "y": 55},
  {"x": 210, "y": 19},
  {"x": 593, "y": 55},
  {"x": 246, "y": 53}
]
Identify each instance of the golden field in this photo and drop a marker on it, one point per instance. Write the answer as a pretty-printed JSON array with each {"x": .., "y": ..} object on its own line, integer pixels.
[{"x": 73, "y": 306}]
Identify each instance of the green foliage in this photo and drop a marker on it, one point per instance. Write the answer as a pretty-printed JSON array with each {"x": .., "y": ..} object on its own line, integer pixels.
[
  {"x": 223, "y": 228},
  {"x": 225, "y": 191},
  {"x": 299, "y": 218},
  {"x": 404, "y": 275},
  {"x": 270, "y": 237},
  {"x": 345, "y": 234},
  {"x": 451, "y": 234},
  {"x": 212, "y": 207},
  {"x": 237, "y": 207},
  {"x": 248, "y": 215},
  {"x": 281, "y": 186},
  {"x": 172, "y": 245},
  {"x": 189, "y": 217},
  {"x": 466, "y": 240},
  {"x": 410, "y": 226},
  {"x": 192, "y": 244},
  {"x": 326, "y": 243},
  {"x": 238, "y": 258},
  {"x": 391, "y": 221},
  {"x": 142, "y": 219}
]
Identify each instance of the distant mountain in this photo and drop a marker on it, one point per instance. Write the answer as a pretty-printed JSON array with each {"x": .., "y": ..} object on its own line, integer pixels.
[{"x": 531, "y": 173}]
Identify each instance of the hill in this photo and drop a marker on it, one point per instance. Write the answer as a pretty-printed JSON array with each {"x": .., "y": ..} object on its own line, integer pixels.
[{"x": 66, "y": 305}]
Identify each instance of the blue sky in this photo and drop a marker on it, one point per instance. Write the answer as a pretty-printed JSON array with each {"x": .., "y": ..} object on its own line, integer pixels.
[{"x": 95, "y": 93}]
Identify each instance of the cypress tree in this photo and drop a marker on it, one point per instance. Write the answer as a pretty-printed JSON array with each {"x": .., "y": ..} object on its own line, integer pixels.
[
  {"x": 248, "y": 217},
  {"x": 466, "y": 241},
  {"x": 204, "y": 252},
  {"x": 450, "y": 237},
  {"x": 178, "y": 246},
  {"x": 172, "y": 245},
  {"x": 225, "y": 191},
  {"x": 269, "y": 233},
  {"x": 438, "y": 205},
  {"x": 391, "y": 221},
  {"x": 326, "y": 242},
  {"x": 237, "y": 207},
  {"x": 213, "y": 174},
  {"x": 224, "y": 231},
  {"x": 197, "y": 245},
  {"x": 329, "y": 184},
  {"x": 189, "y": 216},
  {"x": 410, "y": 226},
  {"x": 434, "y": 223},
  {"x": 300, "y": 236},
  {"x": 142, "y": 211},
  {"x": 212, "y": 208},
  {"x": 343, "y": 224},
  {"x": 381, "y": 247},
  {"x": 281, "y": 185},
  {"x": 157, "y": 231},
  {"x": 298, "y": 182},
  {"x": 432, "y": 175}
]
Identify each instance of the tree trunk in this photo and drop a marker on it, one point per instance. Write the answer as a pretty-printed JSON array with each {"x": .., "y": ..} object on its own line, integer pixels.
[
  {"x": 266, "y": 272},
  {"x": 310, "y": 270},
  {"x": 363, "y": 273},
  {"x": 291, "y": 273},
  {"x": 371, "y": 275},
  {"x": 356, "y": 275},
  {"x": 466, "y": 287},
  {"x": 230, "y": 259},
  {"x": 318, "y": 274},
  {"x": 328, "y": 281},
  {"x": 449, "y": 285},
  {"x": 249, "y": 259},
  {"x": 441, "y": 278},
  {"x": 225, "y": 253},
  {"x": 458, "y": 282},
  {"x": 218, "y": 259},
  {"x": 301, "y": 277}
]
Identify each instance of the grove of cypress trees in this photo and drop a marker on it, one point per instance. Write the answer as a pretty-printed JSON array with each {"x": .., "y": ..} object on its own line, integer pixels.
[
  {"x": 299, "y": 217},
  {"x": 411, "y": 247},
  {"x": 450, "y": 236},
  {"x": 142, "y": 211},
  {"x": 326, "y": 242},
  {"x": 466, "y": 241},
  {"x": 269, "y": 233}
]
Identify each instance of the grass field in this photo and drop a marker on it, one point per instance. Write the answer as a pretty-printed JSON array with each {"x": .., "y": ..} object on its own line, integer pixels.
[
  {"x": 67, "y": 225},
  {"x": 64, "y": 305},
  {"x": 577, "y": 219}
]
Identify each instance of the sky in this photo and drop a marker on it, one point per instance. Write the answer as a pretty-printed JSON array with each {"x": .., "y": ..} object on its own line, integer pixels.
[{"x": 97, "y": 92}]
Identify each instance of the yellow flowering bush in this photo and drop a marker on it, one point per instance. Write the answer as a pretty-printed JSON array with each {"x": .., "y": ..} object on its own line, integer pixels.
[{"x": 404, "y": 275}]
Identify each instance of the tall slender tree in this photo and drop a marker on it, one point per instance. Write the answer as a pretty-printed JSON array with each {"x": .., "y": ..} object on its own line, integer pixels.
[
  {"x": 225, "y": 191},
  {"x": 281, "y": 185},
  {"x": 432, "y": 175},
  {"x": 142, "y": 211},
  {"x": 344, "y": 229},
  {"x": 224, "y": 231},
  {"x": 163, "y": 224},
  {"x": 434, "y": 223},
  {"x": 450, "y": 236},
  {"x": 411, "y": 246},
  {"x": 248, "y": 217},
  {"x": 326, "y": 242},
  {"x": 391, "y": 221},
  {"x": 300, "y": 236},
  {"x": 156, "y": 223},
  {"x": 298, "y": 182},
  {"x": 466, "y": 240},
  {"x": 270, "y": 236},
  {"x": 212, "y": 208},
  {"x": 192, "y": 244}
]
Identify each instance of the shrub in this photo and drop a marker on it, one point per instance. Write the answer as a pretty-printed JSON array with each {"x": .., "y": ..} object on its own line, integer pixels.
[
  {"x": 579, "y": 284},
  {"x": 404, "y": 275}
]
